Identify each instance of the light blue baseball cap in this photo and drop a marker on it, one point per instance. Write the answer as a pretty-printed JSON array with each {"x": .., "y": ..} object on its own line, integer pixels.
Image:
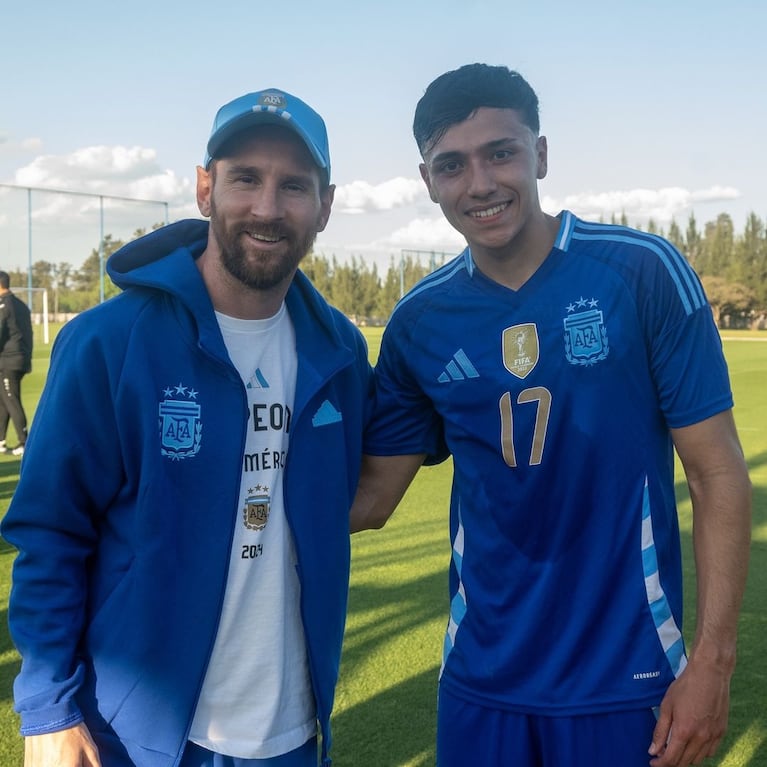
[{"x": 271, "y": 107}]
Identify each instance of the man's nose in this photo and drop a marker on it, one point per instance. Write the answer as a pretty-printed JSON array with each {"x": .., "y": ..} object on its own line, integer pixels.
[{"x": 481, "y": 179}]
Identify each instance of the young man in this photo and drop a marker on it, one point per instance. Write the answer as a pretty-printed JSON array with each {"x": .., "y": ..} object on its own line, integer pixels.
[
  {"x": 15, "y": 362},
  {"x": 559, "y": 361},
  {"x": 179, "y": 595}
]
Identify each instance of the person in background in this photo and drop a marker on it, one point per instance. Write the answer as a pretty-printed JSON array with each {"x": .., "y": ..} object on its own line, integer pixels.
[
  {"x": 182, "y": 515},
  {"x": 15, "y": 362},
  {"x": 559, "y": 362}
]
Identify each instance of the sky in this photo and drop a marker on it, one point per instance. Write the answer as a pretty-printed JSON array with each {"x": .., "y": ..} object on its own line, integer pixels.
[{"x": 652, "y": 109}]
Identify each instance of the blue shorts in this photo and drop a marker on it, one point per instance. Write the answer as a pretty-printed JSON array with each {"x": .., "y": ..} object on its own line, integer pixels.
[
  {"x": 197, "y": 756},
  {"x": 486, "y": 737}
]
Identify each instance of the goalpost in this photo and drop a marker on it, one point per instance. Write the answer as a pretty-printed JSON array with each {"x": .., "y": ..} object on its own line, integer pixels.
[{"x": 39, "y": 316}]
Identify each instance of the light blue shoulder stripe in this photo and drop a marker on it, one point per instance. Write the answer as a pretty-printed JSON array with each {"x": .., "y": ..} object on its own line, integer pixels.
[
  {"x": 437, "y": 277},
  {"x": 687, "y": 286},
  {"x": 566, "y": 229}
]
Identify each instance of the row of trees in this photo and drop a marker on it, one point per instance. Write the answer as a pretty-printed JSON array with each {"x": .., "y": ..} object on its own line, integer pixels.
[{"x": 733, "y": 268}]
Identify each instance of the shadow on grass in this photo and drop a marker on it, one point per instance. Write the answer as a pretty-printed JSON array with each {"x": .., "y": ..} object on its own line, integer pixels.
[
  {"x": 386, "y": 703},
  {"x": 392, "y": 610},
  {"x": 392, "y": 728}
]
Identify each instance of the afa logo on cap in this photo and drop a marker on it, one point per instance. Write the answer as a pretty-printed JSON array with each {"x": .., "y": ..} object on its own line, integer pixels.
[{"x": 273, "y": 100}]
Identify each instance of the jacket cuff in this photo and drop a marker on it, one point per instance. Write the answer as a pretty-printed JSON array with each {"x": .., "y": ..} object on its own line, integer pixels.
[{"x": 52, "y": 719}]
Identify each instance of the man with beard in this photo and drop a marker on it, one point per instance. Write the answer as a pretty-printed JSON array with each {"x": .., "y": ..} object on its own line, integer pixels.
[{"x": 181, "y": 599}]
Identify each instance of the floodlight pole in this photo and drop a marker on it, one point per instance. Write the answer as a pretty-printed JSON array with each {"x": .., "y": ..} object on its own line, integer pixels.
[
  {"x": 101, "y": 249},
  {"x": 29, "y": 247}
]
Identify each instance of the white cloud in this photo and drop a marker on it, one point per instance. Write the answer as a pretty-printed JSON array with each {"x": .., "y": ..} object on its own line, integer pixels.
[
  {"x": 163, "y": 186},
  {"x": 94, "y": 167},
  {"x": 661, "y": 205},
  {"x": 362, "y": 197},
  {"x": 426, "y": 234},
  {"x": 716, "y": 194},
  {"x": 118, "y": 171}
]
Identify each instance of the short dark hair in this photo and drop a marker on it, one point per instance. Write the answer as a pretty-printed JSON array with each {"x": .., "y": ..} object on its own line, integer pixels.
[
  {"x": 5, "y": 280},
  {"x": 455, "y": 96}
]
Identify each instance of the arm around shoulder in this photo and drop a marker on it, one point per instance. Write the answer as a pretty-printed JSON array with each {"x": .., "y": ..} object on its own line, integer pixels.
[{"x": 383, "y": 482}]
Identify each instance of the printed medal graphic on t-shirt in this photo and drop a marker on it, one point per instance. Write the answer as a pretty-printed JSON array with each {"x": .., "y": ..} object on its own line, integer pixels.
[
  {"x": 180, "y": 424},
  {"x": 256, "y": 512},
  {"x": 585, "y": 333}
]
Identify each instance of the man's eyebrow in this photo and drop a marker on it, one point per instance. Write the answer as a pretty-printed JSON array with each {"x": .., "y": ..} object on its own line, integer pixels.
[
  {"x": 456, "y": 154},
  {"x": 443, "y": 156},
  {"x": 234, "y": 170},
  {"x": 298, "y": 176}
]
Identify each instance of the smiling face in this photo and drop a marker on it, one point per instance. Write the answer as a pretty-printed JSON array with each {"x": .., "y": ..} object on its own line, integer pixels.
[
  {"x": 266, "y": 205},
  {"x": 484, "y": 174}
]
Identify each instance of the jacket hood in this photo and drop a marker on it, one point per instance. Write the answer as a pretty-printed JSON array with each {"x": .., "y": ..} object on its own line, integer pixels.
[{"x": 140, "y": 263}]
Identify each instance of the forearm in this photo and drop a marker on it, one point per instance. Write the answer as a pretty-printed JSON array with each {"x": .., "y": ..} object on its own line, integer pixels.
[
  {"x": 720, "y": 491},
  {"x": 721, "y": 537},
  {"x": 383, "y": 482}
]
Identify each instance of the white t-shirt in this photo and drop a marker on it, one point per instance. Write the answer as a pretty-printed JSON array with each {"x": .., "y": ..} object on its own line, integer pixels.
[{"x": 256, "y": 701}]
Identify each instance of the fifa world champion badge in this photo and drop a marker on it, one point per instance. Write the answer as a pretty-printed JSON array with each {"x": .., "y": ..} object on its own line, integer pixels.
[
  {"x": 585, "y": 333},
  {"x": 520, "y": 349},
  {"x": 180, "y": 424}
]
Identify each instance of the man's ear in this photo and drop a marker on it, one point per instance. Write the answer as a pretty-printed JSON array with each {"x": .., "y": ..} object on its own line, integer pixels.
[
  {"x": 542, "y": 149},
  {"x": 326, "y": 203},
  {"x": 427, "y": 180},
  {"x": 204, "y": 188}
]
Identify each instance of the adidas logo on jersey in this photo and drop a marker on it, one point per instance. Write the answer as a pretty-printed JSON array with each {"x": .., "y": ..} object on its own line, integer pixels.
[{"x": 458, "y": 369}]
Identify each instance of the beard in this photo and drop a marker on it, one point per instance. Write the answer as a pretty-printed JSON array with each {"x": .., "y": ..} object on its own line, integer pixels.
[{"x": 259, "y": 271}]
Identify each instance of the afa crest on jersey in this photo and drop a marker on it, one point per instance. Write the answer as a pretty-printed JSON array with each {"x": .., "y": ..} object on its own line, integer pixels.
[
  {"x": 180, "y": 423},
  {"x": 585, "y": 333}
]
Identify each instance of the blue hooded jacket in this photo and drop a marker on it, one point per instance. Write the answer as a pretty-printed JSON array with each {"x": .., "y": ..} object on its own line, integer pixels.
[{"x": 124, "y": 537}]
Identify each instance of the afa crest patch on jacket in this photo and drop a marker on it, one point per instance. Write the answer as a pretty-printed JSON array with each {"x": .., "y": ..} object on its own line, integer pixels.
[{"x": 180, "y": 423}]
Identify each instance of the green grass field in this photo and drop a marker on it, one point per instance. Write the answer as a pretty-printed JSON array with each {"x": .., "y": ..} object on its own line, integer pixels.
[{"x": 386, "y": 701}]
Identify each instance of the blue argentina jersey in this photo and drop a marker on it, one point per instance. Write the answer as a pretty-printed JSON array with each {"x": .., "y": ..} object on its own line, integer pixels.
[{"x": 555, "y": 401}]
